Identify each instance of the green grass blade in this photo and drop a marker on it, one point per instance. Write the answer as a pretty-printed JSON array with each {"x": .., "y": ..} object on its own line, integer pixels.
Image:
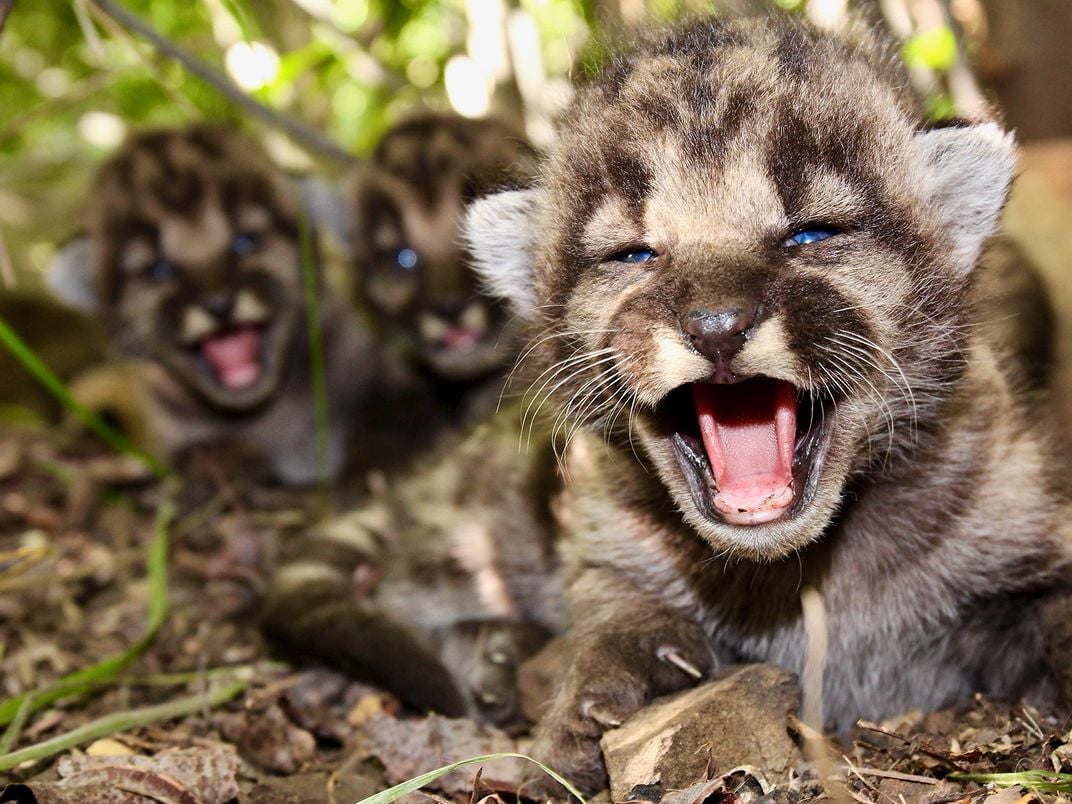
[
  {"x": 412, "y": 785},
  {"x": 107, "y": 670},
  {"x": 1043, "y": 781},
  {"x": 123, "y": 721},
  {"x": 22, "y": 352},
  {"x": 316, "y": 354}
]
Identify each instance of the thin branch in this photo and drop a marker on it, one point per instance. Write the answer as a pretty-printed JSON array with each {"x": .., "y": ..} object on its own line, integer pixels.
[
  {"x": 301, "y": 133},
  {"x": 5, "y": 9}
]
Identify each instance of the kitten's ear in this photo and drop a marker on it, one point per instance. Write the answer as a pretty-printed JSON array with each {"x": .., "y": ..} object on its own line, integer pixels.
[
  {"x": 326, "y": 206},
  {"x": 501, "y": 232},
  {"x": 966, "y": 176},
  {"x": 70, "y": 275}
]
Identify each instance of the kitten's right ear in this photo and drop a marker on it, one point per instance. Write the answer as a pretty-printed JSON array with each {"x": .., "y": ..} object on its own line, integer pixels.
[
  {"x": 326, "y": 206},
  {"x": 70, "y": 275},
  {"x": 501, "y": 233}
]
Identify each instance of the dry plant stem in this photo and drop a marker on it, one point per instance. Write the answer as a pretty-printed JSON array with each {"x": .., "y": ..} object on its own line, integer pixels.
[
  {"x": 302, "y": 134},
  {"x": 122, "y": 721}
]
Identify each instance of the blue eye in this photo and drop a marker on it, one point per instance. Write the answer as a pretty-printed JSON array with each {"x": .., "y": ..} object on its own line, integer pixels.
[
  {"x": 406, "y": 258},
  {"x": 162, "y": 271},
  {"x": 245, "y": 244},
  {"x": 807, "y": 236},
  {"x": 635, "y": 256}
]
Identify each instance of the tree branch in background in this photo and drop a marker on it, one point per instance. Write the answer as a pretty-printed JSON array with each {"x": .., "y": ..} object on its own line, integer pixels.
[
  {"x": 304, "y": 135},
  {"x": 5, "y": 9}
]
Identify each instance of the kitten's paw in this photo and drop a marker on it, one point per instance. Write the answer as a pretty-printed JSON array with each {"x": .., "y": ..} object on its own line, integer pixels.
[{"x": 612, "y": 677}]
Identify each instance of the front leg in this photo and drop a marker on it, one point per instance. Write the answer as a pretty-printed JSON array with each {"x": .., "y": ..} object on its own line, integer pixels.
[{"x": 626, "y": 649}]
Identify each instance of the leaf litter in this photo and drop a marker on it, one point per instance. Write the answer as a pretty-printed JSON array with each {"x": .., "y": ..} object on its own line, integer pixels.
[{"x": 76, "y": 527}]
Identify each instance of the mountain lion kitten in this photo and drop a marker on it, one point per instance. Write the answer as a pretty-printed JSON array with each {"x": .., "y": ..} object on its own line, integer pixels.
[
  {"x": 413, "y": 271},
  {"x": 193, "y": 256},
  {"x": 751, "y": 264}
]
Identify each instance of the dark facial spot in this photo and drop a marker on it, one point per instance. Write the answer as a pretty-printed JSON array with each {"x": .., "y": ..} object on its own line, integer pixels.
[
  {"x": 708, "y": 141},
  {"x": 629, "y": 176}
]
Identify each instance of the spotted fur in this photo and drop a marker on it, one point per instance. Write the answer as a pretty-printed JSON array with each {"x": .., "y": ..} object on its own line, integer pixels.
[{"x": 926, "y": 509}]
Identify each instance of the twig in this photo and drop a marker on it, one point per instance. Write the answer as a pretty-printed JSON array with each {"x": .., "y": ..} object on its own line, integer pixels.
[
  {"x": 119, "y": 32},
  {"x": 120, "y": 722},
  {"x": 5, "y": 9},
  {"x": 903, "y": 777},
  {"x": 305, "y": 135}
]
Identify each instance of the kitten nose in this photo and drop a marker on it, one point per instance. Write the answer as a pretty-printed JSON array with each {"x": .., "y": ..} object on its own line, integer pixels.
[
  {"x": 719, "y": 334},
  {"x": 219, "y": 304}
]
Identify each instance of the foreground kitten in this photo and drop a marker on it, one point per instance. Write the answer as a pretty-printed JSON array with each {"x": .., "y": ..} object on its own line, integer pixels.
[
  {"x": 194, "y": 259},
  {"x": 413, "y": 271},
  {"x": 752, "y": 264}
]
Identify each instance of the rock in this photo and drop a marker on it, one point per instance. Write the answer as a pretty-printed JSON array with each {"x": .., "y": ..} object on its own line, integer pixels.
[{"x": 738, "y": 719}]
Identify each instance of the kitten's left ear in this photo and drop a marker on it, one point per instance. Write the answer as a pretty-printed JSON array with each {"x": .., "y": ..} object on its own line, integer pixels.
[
  {"x": 501, "y": 232},
  {"x": 967, "y": 171},
  {"x": 70, "y": 275}
]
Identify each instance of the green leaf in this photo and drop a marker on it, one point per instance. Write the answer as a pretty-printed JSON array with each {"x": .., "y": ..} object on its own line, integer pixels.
[
  {"x": 405, "y": 788},
  {"x": 935, "y": 48}
]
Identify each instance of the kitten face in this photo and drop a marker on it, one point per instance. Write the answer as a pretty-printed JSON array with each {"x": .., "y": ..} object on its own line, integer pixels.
[
  {"x": 195, "y": 245},
  {"x": 414, "y": 272},
  {"x": 753, "y": 261}
]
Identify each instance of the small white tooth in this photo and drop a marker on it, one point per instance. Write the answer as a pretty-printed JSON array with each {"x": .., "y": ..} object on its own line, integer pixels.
[
  {"x": 432, "y": 327},
  {"x": 475, "y": 318},
  {"x": 249, "y": 309},
  {"x": 196, "y": 324}
]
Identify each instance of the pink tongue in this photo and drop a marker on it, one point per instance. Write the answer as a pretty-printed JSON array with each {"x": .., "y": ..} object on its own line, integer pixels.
[
  {"x": 748, "y": 433},
  {"x": 235, "y": 356},
  {"x": 459, "y": 338}
]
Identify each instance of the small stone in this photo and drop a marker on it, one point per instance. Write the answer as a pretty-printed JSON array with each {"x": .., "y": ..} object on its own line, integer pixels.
[{"x": 738, "y": 719}]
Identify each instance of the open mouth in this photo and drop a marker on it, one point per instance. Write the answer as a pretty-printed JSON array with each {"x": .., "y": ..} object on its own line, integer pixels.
[
  {"x": 460, "y": 339},
  {"x": 234, "y": 357},
  {"x": 751, "y": 451}
]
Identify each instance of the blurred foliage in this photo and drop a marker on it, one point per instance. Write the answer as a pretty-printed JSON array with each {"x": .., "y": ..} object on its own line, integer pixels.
[{"x": 73, "y": 81}]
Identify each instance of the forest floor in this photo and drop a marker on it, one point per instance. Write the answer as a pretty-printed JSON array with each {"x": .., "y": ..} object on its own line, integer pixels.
[{"x": 76, "y": 527}]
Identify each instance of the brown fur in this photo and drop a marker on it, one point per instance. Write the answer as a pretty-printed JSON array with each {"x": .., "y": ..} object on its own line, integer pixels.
[
  {"x": 925, "y": 507},
  {"x": 67, "y": 341},
  {"x": 440, "y": 587},
  {"x": 410, "y": 196},
  {"x": 194, "y": 235}
]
